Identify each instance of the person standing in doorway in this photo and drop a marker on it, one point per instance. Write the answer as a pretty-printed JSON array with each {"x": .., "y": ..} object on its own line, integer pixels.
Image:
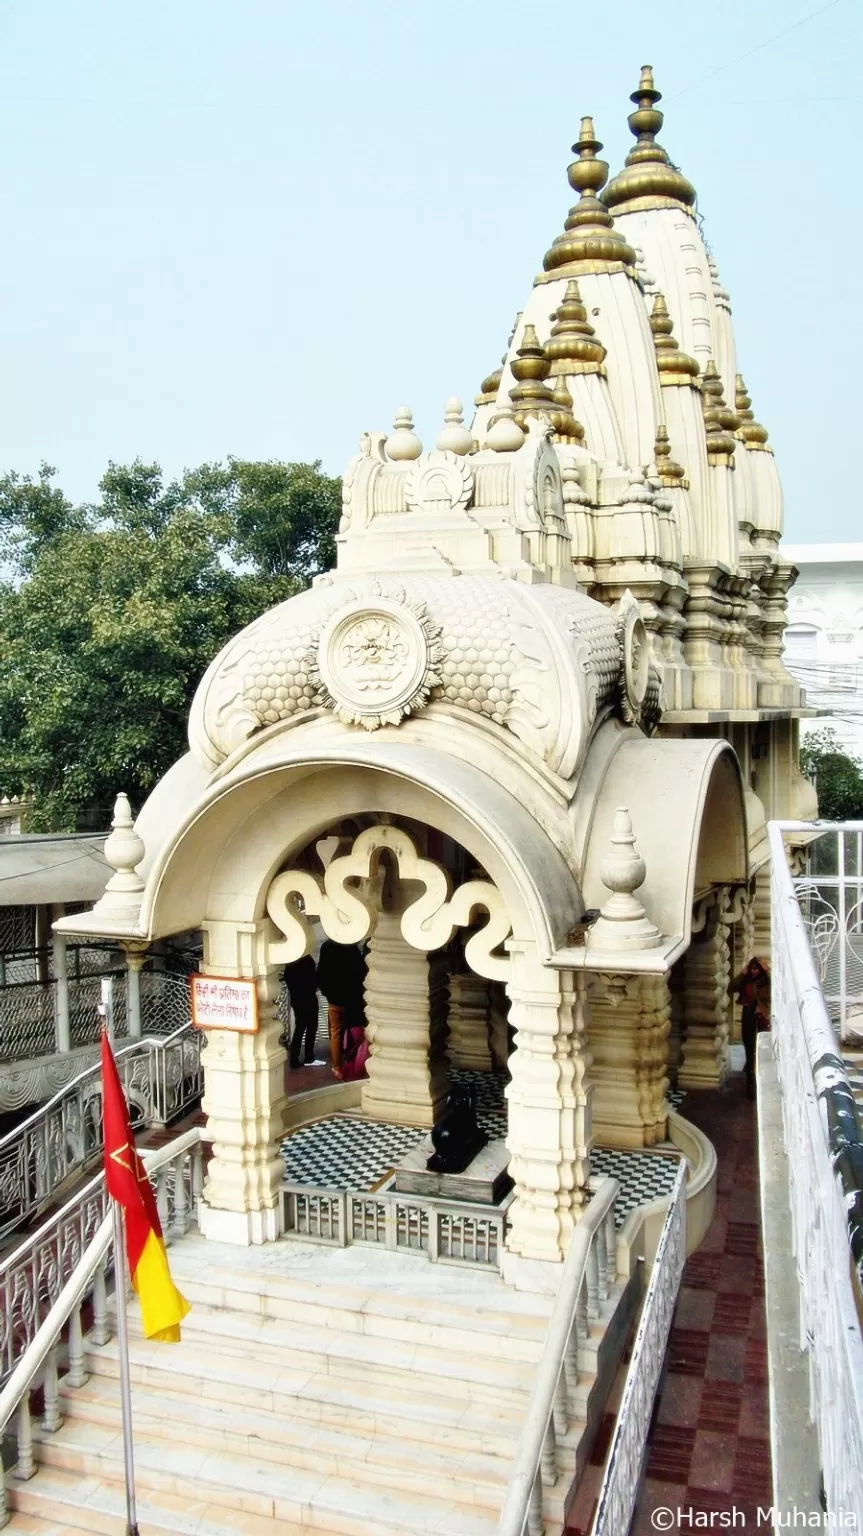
[
  {"x": 341, "y": 978},
  {"x": 300, "y": 978},
  {"x": 753, "y": 991}
]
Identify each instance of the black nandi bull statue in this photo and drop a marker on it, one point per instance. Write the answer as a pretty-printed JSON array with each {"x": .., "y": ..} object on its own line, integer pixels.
[{"x": 456, "y": 1136}]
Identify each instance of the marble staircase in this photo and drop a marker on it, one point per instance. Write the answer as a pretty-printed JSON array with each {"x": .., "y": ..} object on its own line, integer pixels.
[{"x": 339, "y": 1391}]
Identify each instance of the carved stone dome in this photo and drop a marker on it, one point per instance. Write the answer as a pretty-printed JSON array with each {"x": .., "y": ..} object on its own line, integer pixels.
[{"x": 539, "y": 661}]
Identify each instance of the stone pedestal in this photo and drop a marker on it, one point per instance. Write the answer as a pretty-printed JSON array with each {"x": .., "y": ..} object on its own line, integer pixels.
[
  {"x": 469, "y": 1011},
  {"x": 549, "y": 1122},
  {"x": 484, "y": 1181},
  {"x": 628, "y": 1038},
  {"x": 707, "y": 971},
  {"x": 406, "y": 1008},
  {"x": 244, "y": 1096}
]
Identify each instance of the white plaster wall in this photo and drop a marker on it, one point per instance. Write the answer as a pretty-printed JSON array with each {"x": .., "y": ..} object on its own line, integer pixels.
[{"x": 824, "y": 638}]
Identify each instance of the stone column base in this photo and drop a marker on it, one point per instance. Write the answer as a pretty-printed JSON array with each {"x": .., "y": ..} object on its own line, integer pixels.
[{"x": 243, "y": 1229}]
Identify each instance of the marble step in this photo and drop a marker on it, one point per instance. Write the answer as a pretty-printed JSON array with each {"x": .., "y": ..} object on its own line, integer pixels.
[
  {"x": 362, "y": 1404},
  {"x": 281, "y": 1345},
  {"x": 55, "y": 1503},
  {"x": 376, "y": 1314},
  {"x": 387, "y": 1460},
  {"x": 293, "y": 1499}
]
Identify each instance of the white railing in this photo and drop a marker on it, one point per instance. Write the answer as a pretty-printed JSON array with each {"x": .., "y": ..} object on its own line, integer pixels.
[
  {"x": 175, "y": 1170},
  {"x": 589, "y": 1271},
  {"x": 830, "y": 894},
  {"x": 29, "y": 1006},
  {"x": 622, "y": 1475},
  {"x": 822, "y": 1142},
  {"x": 161, "y": 1078},
  {"x": 447, "y": 1231}
]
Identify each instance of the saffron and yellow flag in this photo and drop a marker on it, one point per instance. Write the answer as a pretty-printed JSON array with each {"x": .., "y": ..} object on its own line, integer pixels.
[{"x": 162, "y": 1306}]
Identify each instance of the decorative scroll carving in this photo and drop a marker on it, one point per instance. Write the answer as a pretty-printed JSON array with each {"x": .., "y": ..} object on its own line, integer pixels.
[{"x": 350, "y": 917}]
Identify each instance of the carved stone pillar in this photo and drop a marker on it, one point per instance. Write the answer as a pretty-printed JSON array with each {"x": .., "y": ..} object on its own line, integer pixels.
[
  {"x": 706, "y": 1004},
  {"x": 244, "y": 1095},
  {"x": 628, "y": 1038},
  {"x": 742, "y": 950},
  {"x": 677, "y": 1022},
  {"x": 469, "y": 1022},
  {"x": 406, "y": 1008},
  {"x": 549, "y": 1119},
  {"x": 761, "y": 938}
]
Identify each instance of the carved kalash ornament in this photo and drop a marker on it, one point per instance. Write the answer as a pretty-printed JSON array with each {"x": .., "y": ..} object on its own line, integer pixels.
[
  {"x": 456, "y": 1136},
  {"x": 378, "y": 659}
]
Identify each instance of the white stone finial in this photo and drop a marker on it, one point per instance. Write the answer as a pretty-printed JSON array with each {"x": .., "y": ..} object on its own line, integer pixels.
[
  {"x": 454, "y": 436},
  {"x": 403, "y": 443},
  {"x": 623, "y": 922},
  {"x": 123, "y": 850},
  {"x": 504, "y": 435}
]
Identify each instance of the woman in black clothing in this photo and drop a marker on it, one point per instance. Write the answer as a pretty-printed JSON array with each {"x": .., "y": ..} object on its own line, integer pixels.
[{"x": 300, "y": 978}]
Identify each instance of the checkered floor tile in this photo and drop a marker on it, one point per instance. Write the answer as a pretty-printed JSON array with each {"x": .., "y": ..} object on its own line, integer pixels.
[
  {"x": 346, "y": 1151},
  {"x": 643, "y": 1176}
]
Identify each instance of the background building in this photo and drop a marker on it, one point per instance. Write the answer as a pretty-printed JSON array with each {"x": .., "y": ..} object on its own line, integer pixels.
[{"x": 824, "y": 638}]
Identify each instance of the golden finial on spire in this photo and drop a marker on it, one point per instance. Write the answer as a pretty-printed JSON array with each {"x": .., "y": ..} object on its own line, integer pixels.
[
  {"x": 589, "y": 235},
  {"x": 750, "y": 431},
  {"x": 721, "y": 423},
  {"x": 565, "y": 423},
  {"x": 489, "y": 387},
  {"x": 573, "y": 345},
  {"x": 531, "y": 395},
  {"x": 648, "y": 180},
  {"x": 669, "y": 472},
  {"x": 675, "y": 366}
]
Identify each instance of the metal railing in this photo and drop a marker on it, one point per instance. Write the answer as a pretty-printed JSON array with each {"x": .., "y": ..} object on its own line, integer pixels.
[
  {"x": 589, "y": 1271},
  {"x": 162, "y": 1079},
  {"x": 29, "y": 1008},
  {"x": 830, "y": 894},
  {"x": 622, "y": 1474},
  {"x": 825, "y": 1163},
  {"x": 58, "y": 1336}
]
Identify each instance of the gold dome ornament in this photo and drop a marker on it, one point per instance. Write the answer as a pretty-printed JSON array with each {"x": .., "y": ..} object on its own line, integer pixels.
[
  {"x": 531, "y": 395},
  {"x": 720, "y": 421},
  {"x": 750, "y": 431},
  {"x": 490, "y": 385},
  {"x": 668, "y": 471},
  {"x": 403, "y": 443},
  {"x": 675, "y": 366},
  {"x": 566, "y": 426},
  {"x": 573, "y": 346},
  {"x": 648, "y": 179},
  {"x": 589, "y": 237}
]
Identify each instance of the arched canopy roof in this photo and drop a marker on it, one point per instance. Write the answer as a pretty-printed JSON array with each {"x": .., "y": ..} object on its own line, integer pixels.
[
  {"x": 224, "y": 852},
  {"x": 688, "y": 813}
]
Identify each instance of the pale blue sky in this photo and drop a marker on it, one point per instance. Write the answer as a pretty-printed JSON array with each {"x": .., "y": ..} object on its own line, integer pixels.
[{"x": 256, "y": 226}]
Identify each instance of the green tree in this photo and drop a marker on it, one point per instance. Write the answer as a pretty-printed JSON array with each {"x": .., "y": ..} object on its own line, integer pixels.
[
  {"x": 837, "y": 776},
  {"x": 110, "y": 614}
]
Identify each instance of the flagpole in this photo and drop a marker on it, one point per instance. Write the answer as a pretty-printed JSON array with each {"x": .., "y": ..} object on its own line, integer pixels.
[{"x": 125, "y": 1382}]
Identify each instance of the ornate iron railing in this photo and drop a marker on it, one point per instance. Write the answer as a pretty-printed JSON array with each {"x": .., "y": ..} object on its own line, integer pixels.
[
  {"x": 28, "y": 1008},
  {"x": 61, "y": 1285},
  {"x": 825, "y": 1176},
  {"x": 830, "y": 895},
  {"x": 622, "y": 1474},
  {"x": 162, "y": 1079},
  {"x": 589, "y": 1271}
]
